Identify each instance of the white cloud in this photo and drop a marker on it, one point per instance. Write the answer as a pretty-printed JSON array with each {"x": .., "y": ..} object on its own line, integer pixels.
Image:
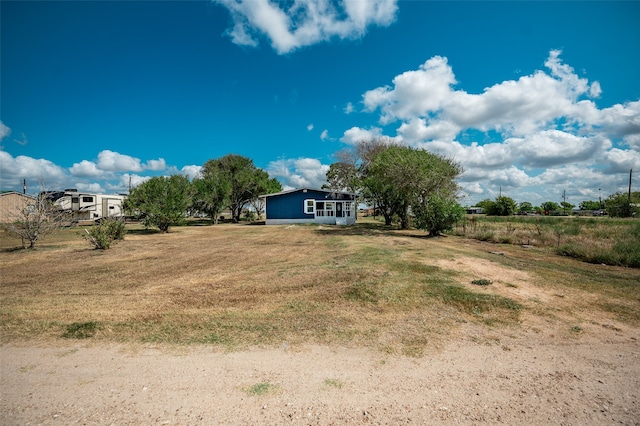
[
  {"x": 298, "y": 173},
  {"x": 191, "y": 171},
  {"x": 86, "y": 169},
  {"x": 310, "y": 127},
  {"x": 357, "y": 134},
  {"x": 36, "y": 171},
  {"x": 595, "y": 90},
  {"x": 324, "y": 135},
  {"x": 550, "y": 148},
  {"x": 116, "y": 162},
  {"x": 621, "y": 161},
  {"x": 156, "y": 165},
  {"x": 94, "y": 188},
  {"x": 291, "y": 25},
  {"x": 530, "y": 131},
  {"x": 4, "y": 131},
  {"x": 348, "y": 109}
]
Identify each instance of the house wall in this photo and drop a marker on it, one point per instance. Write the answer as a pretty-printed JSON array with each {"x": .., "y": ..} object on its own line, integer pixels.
[
  {"x": 11, "y": 203},
  {"x": 291, "y": 205}
]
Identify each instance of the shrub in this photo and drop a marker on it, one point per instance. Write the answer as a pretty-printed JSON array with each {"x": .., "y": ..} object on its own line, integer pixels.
[{"x": 108, "y": 231}]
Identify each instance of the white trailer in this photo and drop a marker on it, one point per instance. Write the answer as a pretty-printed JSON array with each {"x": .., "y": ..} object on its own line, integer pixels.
[{"x": 89, "y": 207}]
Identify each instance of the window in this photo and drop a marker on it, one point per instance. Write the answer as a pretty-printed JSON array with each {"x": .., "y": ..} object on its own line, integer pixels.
[
  {"x": 87, "y": 199},
  {"x": 329, "y": 209},
  {"x": 347, "y": 209},
  {"x": 309, "y": 206}
]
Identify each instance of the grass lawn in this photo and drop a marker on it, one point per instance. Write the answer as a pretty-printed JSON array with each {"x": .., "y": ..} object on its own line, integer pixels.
[{"x": 240, "y": 285}]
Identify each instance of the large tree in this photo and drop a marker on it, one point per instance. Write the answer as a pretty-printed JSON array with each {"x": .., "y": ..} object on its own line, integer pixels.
[
  {"x": 502, "y": 206},
  {"x": 245, "y": 180},
  {"x": 623, "y": 204},
  {"x": 211, "y": 193},
  {"x": 161, "y": 201},
  {"x": 353, "y": 173},
  {"x": 410, "y": 178}
]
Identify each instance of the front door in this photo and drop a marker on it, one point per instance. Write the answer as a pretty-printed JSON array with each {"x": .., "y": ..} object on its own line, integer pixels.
[{"x": 339, "y": 210}]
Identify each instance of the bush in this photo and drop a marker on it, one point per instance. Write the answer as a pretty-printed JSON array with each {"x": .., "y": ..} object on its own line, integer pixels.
[{"x": 108, "y": 231}]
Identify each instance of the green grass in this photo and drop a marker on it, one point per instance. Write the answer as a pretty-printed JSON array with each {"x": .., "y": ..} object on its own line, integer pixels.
[
  {"x": 602, "y": 240},
  {"x": 261, "y": 389}
]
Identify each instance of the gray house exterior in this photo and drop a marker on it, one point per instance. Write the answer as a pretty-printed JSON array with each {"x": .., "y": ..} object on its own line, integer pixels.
[{"x": 307, "y": 205}]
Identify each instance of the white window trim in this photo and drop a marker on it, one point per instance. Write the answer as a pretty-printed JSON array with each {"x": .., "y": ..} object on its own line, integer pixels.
[{"x": 306, "y": 206}]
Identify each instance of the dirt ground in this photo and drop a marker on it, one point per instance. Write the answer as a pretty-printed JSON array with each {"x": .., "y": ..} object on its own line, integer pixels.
[
  {"x": 524, "y": 377},
  {"x": 540, "y": 371}
]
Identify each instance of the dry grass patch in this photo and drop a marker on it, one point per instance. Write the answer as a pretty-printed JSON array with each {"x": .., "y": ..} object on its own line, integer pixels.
[{"x": 240, "y": 285}]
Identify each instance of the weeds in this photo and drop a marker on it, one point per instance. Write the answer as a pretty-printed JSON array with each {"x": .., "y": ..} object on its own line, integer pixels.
[
  {"x": 605, "y": 240},
  {"x": 81, "y": 330},
  {"x": 260, "y": 389}
]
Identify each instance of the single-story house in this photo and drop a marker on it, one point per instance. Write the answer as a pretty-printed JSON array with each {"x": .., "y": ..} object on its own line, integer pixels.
[
  {"x": 12, "y": 205},
  {"x": 307, "y": 205}
]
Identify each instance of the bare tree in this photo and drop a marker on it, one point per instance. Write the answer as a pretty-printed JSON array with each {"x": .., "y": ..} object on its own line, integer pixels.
[{"x": 35, "y": 220}]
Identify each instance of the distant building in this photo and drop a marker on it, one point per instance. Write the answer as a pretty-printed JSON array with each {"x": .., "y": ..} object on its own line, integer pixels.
[
  {"x": 307, "y": 205},
  {"x": 12, "y": 204},
  {"x": 475, "y": 210}
]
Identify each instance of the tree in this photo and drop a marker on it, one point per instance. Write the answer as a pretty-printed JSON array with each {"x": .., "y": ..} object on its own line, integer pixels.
[
  {"x": 342, "y": 176},
  {"x": 549, "y": 206},
  {"x": 486, "y": 204},
  {"x": 161, "y": 201},
  {"x": 266, "y": 185},
  {"x": 410, "y": 177},
  {"x": 244, "y": 179},
  {"x": 502, "y": 206},
  {"x": 438, "y": 214},
  {"x": 373, "y": 191},
  {"x": 211, "y": 193},
  {"x": 525, "y": 207},
  {"x": 35, "y": 220},
  {"x": 589, "y": 205},
  {"x": 620, "y": 204},
  {"x": 566, "y": 206}
]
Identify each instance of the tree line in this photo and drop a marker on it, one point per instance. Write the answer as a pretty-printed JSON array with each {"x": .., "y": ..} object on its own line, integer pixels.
[
  {"x": 230, "y": 182},
  {"x": 618, "y": 204}
]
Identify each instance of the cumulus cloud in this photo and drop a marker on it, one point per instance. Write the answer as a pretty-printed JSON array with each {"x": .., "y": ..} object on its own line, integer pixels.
[
  {"x": 191, "y": 171},
  {"x": 86, "y": 169},
  {"x": 357, "y": 134},
  {"x": 310, "y": 127},
  {"x": 324, "y": 135},
  {"x": 298, "y": 173},
  {"x": 292, "y": 25},
  {"x": 37, "y": 171},
  {"x": 156, "y": 165},
  {"x": 116, "y": 162},
  {"x": 531, "y": 130}
]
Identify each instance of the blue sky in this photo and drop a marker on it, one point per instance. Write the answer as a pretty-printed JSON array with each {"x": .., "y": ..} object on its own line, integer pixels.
[{"x": 532, "y": 98}]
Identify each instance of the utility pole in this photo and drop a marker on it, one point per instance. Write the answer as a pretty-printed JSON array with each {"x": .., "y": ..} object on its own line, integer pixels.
[
  {"x": 629, "y": 194},
  {"x": 564, "y": 202},
  {"x": 24, "y": 186}
]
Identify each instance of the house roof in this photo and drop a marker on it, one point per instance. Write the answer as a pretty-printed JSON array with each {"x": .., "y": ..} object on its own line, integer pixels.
[
  {"x": 289, "y": 191},
  {"x": 16, "y": 193}
]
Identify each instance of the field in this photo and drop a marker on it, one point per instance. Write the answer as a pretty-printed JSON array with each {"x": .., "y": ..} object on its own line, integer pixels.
[{"x": 240, "y": 288}]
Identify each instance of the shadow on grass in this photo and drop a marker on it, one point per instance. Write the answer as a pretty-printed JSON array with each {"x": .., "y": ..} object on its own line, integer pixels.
[
  {"x": 143, "y": 231},
  {"x": 370, "y": 229}
]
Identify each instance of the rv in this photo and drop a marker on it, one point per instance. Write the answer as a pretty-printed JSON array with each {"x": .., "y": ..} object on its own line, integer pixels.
[{"x": 88, "y": 207}]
